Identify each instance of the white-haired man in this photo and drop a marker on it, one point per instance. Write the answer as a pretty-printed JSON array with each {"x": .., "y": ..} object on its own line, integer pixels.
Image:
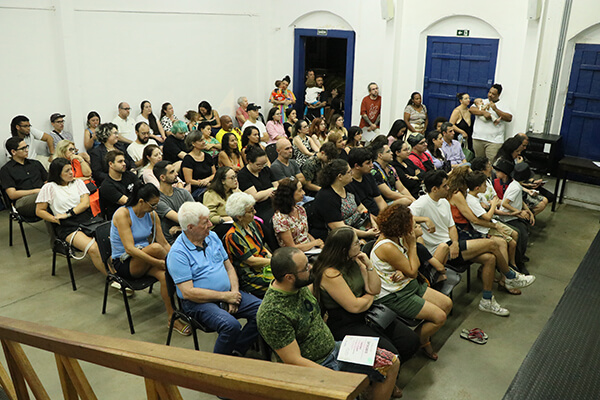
[
  {"x": 207, "y": 282},
  {"x": 241, "y": 114}
]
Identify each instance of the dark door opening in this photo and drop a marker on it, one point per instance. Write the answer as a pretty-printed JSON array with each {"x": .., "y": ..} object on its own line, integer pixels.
[{"x": 329, "y": 54}]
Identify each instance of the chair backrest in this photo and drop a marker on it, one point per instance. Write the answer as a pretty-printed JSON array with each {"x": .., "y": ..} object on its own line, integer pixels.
[
  {"x": 6, "y": 200},
  {"x": 271, "y": 151},
  {"x": 103, "y": 240},
  {"x": 171, "y": 288},
  {"x": 368, "y": 247}
]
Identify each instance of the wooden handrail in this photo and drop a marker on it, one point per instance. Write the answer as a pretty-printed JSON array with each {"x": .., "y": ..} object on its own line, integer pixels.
[{"x": 165, "y": 368}]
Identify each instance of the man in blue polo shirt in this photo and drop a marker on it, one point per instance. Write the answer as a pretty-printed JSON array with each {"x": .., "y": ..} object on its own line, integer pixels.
[{"x": 208, "y": 284}]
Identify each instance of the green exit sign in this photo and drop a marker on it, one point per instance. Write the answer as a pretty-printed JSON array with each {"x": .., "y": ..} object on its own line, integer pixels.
[{"x": 462, "y": 32}]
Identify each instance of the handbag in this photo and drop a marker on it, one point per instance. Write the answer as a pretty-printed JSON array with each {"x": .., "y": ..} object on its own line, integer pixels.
[
  {"x": 380, "y": 316},
  {"x": 91, "y": 187},
  {"x": 89, "y": 227}
]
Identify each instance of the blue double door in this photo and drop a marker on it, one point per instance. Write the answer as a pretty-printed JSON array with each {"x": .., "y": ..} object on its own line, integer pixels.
[
  {"x": 456, "y": 65},
  {"x": 581, "y": 119}
]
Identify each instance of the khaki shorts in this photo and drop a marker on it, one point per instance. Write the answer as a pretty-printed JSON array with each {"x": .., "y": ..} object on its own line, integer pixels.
[{"x": 503, "y": 231}]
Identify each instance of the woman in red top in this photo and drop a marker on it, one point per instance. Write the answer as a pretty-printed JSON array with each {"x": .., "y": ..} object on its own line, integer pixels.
[{"x": 418, "y": 156}]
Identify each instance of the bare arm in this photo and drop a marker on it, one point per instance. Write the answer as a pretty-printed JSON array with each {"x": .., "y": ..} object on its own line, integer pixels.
[
  {"x": 407, "y": 120},
  {"x": 290, "y": 354},
  {"x": 88, "y": 140},
  {"x": 288, "y": 241},
  {"x": 393, "y": 256},
  {"x": 123, "y": 224},
  {"x": 15, "y": 194},
  {"x": 453, "y": 119},
  {"x": 504, "y": 115},
  {"x": 333, "y": 282},
  {"x": 259, "y": 196}
]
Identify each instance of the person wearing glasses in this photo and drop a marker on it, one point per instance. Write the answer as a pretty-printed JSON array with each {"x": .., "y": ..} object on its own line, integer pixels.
[
  {"x": 419, "y": 156},
  {"x": 21, "y": 177},
  {"x": 224, "y": 184},
  {"x": 81, "y": 170},
  {"x": 21, "y": 127},
  {"x": 125, "y": 123},
  {"x": 138, "y": 246},
  {"x": 245, "y": 244},
  {"x": 58, "y": 132}
]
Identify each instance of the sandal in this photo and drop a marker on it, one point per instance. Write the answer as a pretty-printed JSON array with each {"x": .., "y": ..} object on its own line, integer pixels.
[
  {"x": 503, "y": 288},
  {"x": 483, "y": 334},
  {"x": 432, "y": 355},
  {"x": 475, "y": 336},
  {"x": 182, "y": 329}
]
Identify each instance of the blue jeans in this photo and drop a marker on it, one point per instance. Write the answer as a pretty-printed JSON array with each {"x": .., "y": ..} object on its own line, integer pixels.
[{"x": 231, "y": 335}]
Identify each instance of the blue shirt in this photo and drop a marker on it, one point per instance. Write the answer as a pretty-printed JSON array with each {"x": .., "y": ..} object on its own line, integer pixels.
[
  {"x": 453, "y": 153},
  {"x": 205, "y": 267}
]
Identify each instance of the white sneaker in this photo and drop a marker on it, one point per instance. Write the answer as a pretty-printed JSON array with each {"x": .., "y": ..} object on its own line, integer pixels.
[
  {"x": 519, "y": 281},
  {"x": 493, "y": 307},
  {"x": 116, "y": 285}
]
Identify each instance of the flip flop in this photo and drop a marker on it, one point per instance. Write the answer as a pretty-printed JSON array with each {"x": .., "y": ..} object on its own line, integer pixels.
[
  {"x": 475, "y": 337},
  {"x": 483, "y": 334}
]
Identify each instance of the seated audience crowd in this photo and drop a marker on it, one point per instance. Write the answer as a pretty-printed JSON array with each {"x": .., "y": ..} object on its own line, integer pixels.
[{"x": 230, "y": 212}]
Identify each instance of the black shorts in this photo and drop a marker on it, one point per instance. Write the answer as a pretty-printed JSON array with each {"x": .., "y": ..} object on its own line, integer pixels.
[
  {"x": 458, "y": 261},
  {"x": 122, "y": 267}
]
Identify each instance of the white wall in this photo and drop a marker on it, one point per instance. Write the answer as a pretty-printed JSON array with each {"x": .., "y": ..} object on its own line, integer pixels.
[{"x": 74, "y": 56}]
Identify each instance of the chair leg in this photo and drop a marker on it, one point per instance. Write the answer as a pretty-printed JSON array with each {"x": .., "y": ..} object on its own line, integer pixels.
[
  {"x": 469, "y": 279},
  {"x": 105, "y": 295},
  {"x": 127, "y": 310},
  {"x": 150, "y": 290},
  {"x": 71, "y": 272},
  {"x": 10, "y": 231},
  {"x": 195, "y": 337},
  {"x": 53, "y": 262},
  {"x": 171, "y": 326},
  {"x": 24, "y": 239}
]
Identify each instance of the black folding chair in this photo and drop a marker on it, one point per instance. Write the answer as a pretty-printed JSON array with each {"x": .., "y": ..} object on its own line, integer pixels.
[
  {"x": 103, "y": 240},
  {"x": 180, "y": 314},
  {"x": 271, "y": 151},
  {"x": 62, "y": 247},
  {"x": 20, "y": 219}
]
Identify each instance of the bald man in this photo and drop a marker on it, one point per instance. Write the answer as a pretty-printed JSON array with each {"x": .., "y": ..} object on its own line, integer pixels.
[
  {"x": 284, "y": 166},
  {"x": 125, "y": 123},
  {"x": 227, "y": 127}
]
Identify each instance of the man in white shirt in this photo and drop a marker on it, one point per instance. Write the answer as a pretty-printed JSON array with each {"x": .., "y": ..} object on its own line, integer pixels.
[
  {"x": 125, "y": 123},
  {"x": 253, "y": 111},
  {"x": 441, "y": 239},
  {"x": 488, "y": 135},
  {"x": 21, "y": 127},
  {"x": 136, "y": 149}
]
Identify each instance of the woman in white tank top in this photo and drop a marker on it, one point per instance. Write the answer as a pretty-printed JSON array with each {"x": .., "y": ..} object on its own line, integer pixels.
[{"x": 395, "y": 258}]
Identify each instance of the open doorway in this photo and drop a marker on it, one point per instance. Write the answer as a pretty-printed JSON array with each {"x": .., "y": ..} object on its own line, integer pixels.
[{"x": 330, "y": 54}]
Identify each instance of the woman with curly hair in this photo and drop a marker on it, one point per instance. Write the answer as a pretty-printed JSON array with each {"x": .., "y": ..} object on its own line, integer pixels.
[
  {"x": 395, "y": 258},
  {"x": 290, "y": 221},
  {"x": 230, "y": 155},
  {"x": 345, "y": 284}
]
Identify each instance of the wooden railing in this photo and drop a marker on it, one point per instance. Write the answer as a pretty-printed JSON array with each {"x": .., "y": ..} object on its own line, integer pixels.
[{"x": 163, "y": 368}]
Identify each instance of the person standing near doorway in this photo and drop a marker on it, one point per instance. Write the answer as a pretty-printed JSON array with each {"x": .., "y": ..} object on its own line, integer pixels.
[
  {"x": 488, "y": 132},
  {"x": 370, "y": 112}
]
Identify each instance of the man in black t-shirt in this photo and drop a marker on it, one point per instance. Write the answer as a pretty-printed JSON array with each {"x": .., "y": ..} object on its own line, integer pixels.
[
  {"x": 363, "y": 184},
  {"x": 260, "y": 187},
  {"x": 118, "y": 186},
  {"x": 21, "y": 177}
]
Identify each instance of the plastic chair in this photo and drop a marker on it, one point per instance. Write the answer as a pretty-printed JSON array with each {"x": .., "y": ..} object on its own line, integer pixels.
[
  {"x": 271, "y": 151},
  {"x": 103, "y": 240},
  {"x": 15, "y": 216},
  {"x": 180, "y": 314}
]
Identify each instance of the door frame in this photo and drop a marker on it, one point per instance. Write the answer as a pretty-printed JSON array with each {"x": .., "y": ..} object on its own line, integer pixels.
[{"x": 300, "y": 36}]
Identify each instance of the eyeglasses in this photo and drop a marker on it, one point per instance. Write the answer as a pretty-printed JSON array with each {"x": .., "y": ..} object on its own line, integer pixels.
[
  {"x": 126, "y": 109},
  {"x": 23, "y": 148},
  {"x": 305, "y": 269},
  {"x": 232, "y": 178},
  {"x": 152, "y": 206}
]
